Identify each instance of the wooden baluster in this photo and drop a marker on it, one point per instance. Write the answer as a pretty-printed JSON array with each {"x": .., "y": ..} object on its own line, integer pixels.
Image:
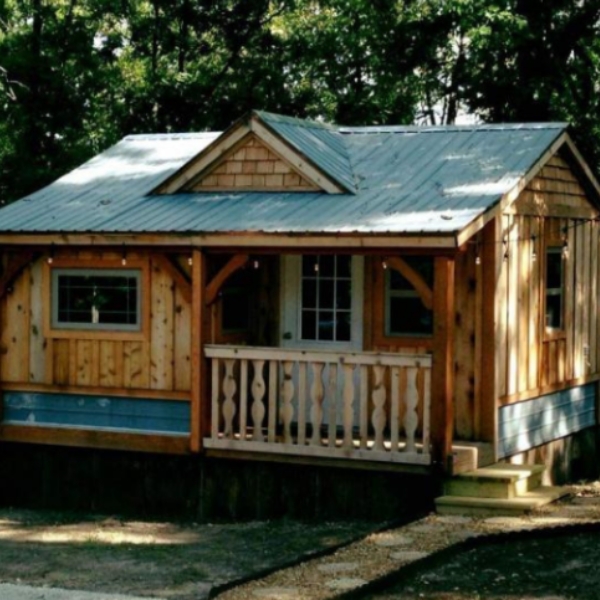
[
  {"x": 364, "y": 406},
  {"x": 301, "y": 403},
  {"x": 379, "y": 396},
  {"x": 395, "y": 409},
  {"x": 332, "y": 394},
  {"x": 286, "y": 411},
  {"x": 258, "y": 407},
  {"x": 216, "y": 392},
  {"x": 271, "y": 433},
  {"x": 229, "y": 390},
  {"x": 411, "y": 418},
  {"x": 243, "y": 398},
  {"x": 426, "y": 409},
  {"x": 348, "y": 405},
  {"x": 316, "y": 409}
]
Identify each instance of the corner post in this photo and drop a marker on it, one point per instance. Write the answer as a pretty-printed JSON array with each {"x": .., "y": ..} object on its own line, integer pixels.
[
  {"x": 197, "y": 412},
  {"x": 442, "y": 373}
]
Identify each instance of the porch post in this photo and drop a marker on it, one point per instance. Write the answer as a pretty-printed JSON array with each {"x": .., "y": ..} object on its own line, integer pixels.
[
  {"x": 197, "y": 412},
  {"x": 442, "y": 373}
]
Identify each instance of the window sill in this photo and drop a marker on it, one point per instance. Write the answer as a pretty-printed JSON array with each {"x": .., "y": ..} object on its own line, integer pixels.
[
  {"x": 91, "y": 334},
  {"x": 554, "y": 334}
]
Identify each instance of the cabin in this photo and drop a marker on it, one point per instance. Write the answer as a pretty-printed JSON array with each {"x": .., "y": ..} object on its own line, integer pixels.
[{"x": 406, "y": 299}]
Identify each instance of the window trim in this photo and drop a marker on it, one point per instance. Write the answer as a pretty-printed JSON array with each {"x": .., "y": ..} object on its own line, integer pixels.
[
  {"x": 291, "y": 307},
  {"x": 53, "y": 330},
  {"x": 554, "y": 331},
  {"x": 388, "y": 293}
]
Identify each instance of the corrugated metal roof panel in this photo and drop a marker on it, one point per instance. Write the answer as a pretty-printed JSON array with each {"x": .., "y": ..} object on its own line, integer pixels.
[
  {"x": 435, "y": 180},
  {"x": 320, "y": 143}
]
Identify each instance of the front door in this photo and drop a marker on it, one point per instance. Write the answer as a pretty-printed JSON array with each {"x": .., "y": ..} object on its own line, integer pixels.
[{"x": 322, "y": 302}]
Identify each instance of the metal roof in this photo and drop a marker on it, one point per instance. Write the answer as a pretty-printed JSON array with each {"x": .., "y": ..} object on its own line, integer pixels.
[
  {"x": 320, "y": 143},
  {"x": 431, "y": 180}
]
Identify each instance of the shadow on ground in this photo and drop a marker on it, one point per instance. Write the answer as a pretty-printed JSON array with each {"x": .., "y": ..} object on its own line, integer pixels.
[{"x": 155, "y": 559}]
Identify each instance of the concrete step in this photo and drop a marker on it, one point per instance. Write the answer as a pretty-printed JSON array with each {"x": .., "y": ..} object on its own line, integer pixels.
[
  {"x": 482, "y": 507},
  {"x": 499, "y": 480}
]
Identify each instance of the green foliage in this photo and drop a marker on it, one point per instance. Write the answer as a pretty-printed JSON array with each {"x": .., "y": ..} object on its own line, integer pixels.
[{"x": 76, "y": 75}]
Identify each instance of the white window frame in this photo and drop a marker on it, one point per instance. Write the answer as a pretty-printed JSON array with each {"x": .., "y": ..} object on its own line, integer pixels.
[
  {"x": 57, "y": 324},
  {"x": 291, "y": 307}
]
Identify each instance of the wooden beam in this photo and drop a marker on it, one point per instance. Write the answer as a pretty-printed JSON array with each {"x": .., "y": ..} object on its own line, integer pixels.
[
  {"x": 236, "y": 262},
  {"x": 13, "y": 269},
  {"x": 181, "y": 281},
  {"x": 442, "y": 373},
  {"x": 229, "y": 240},
  {"x": 414, "y": 277},
  {"x": 89, "y": 438},
  {"x": 197, "y": 360},
  {"x": 489, "y": 272}
]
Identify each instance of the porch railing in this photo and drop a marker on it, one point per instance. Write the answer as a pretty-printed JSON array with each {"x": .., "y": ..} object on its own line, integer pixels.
[{"x": 363, "y": 406}]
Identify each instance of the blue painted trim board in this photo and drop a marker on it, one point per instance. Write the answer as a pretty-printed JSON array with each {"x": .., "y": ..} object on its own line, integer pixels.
[
  {"x": 97, "y": 412},
  {"x": 525, "y": 425}
]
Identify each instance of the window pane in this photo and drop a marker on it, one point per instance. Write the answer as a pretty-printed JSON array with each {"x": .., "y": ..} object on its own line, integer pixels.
[
  {"x": 326, "y": 265},
  {"x": 553, "y": 269},
  {"x": 343, "y": 327},
  {"x": 343, "y": 294},
  {"x": 308, "y": 265},
  {"x": 343, "y": 266},
  {"x": 554, "y": 288},
  {"x": 96, "y": 297},
  {"x": 309, "y": 325},
  {"x": 326, "y": 287},
  {"x": 554, "y": 311},
  {"x": 408, "y": 316},
  {"x": 326, "y": 326},
  {"x": 309, "y": 293}
]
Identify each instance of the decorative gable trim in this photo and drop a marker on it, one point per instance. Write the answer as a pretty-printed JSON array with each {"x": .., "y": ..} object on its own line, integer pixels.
[
  {"x": 212, "y": 156},
  {"x": 251, "y": 165}
]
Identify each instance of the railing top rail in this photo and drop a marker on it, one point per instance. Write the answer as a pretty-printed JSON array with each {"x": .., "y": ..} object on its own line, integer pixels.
[{"x": 317, "y": 356}]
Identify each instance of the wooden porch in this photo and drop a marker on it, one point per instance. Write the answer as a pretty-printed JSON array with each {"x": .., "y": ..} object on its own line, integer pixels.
[{"x": 364, "y": 406}]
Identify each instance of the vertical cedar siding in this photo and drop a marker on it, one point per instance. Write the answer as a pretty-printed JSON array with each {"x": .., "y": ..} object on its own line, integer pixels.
[
  {"x": 531, "y": 360},
  {"x": 158, "y": 359}
]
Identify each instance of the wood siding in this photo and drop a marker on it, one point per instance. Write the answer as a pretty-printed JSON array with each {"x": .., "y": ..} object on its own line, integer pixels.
[
  {"x": 157, "y": 358},
  {"x": 553, "y": 211},
  {"x": 252, "y": 165}
]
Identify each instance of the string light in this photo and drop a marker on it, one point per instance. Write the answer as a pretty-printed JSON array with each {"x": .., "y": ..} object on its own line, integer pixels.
[
  {"x": 51, "y": 255},
  {"x": 478, "y": 252},
  {"x": 124, "y": 256},
  {"x": 505, "y": 243},
  {"x": 384, "y": 264},
  {"x": 533, "y": 249},
  {"x": 190, "y": 261},
  {"x": 317, "y": 266},
  {"x": 256, "y": 264}
]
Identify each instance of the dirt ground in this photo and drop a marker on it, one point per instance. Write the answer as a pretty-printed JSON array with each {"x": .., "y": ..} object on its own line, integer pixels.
[
  {"x": 553, "y": 564},
  {"x": 187, "y": 561},
  {"x": 166, "y": 560},
  {"x": 555, "y": 567}
]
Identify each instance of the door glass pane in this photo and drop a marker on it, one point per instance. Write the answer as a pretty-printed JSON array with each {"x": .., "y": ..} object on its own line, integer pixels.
[
  {"x": 326, "y": 326},
  {"x": 326, "y": 298}
]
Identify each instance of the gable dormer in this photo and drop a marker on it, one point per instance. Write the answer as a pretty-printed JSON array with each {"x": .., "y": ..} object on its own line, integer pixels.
[
  {"x": 265, "y": 152},
  {"x": 252, "y": 165}
]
